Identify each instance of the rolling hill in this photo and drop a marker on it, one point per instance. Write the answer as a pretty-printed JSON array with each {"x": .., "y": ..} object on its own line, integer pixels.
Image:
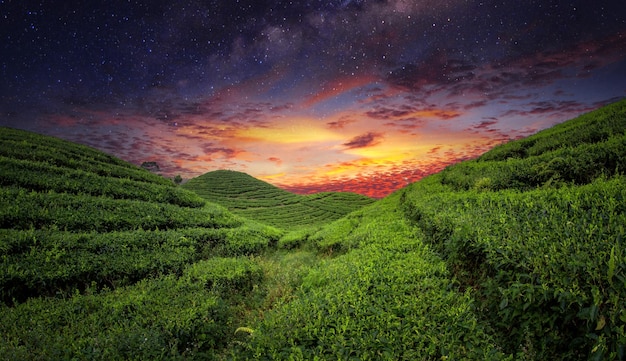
[
  {"x": 247, "y": 196},
  {"x": 516, "y": 255},
  {"x": 100, "y": 259}
]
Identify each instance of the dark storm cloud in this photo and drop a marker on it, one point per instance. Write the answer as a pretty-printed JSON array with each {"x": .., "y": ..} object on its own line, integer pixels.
[{"x": 365, "y": 140}]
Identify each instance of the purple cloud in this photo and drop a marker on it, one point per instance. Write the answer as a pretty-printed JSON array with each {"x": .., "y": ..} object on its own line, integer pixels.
[{"x": 368, "y": 139}]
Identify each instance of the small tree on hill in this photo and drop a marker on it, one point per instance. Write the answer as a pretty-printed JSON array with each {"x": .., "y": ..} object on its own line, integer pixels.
[
  {"x": 178, "y": 179},
  {"x": 151, "y": 166}
]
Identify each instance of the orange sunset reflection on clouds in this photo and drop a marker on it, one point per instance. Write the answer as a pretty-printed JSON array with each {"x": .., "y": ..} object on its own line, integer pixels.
[
  {"x": 347, "y": 150},
  {"x": 311, "y": 96}
]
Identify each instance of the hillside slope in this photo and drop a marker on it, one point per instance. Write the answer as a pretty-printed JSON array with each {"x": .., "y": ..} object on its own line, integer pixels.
[
  {"x": 519, "y": 254},
  {"x": 100, "y": 259},
  {"x": 252, "y": 198}
]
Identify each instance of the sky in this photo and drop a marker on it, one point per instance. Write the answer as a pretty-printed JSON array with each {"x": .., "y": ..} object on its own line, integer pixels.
[{"x": 364, "y": 96}]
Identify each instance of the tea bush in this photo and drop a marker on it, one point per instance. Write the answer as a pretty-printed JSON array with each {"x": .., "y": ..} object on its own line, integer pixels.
[
  {"x": 22, "y": 145},
  {"x": 548, "y": 265},
  {"x": 23, "y": 209},
  {"x": 156, "y": 319},
  {"x": 391, "y": 298},
  {"x": 225, "y": 275},
  {"x": 260, "y": 201},
  {"x": 42, "y": 177}
]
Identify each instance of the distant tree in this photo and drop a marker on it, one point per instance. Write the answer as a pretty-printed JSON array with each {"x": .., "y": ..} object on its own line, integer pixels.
[
  {"x": 151, "y": 166},
  {"x": 178, "y": 179}
]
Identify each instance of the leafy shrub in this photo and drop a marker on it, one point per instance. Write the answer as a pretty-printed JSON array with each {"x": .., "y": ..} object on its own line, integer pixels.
[
  {"x": 25, "y": 209},
  {"x": 225, "y": 274},
  {"x": 23, "y": 145},
  {"x": 42, "y": 177},
  {"x": 248, "y": 240},
  {"x": 296, "y": 238},
  {"x": 372, "y": 303},
  {"x": 388, "y": 297},
  {"x": 547, "y": 265},
  {"x": 155, "y": 319},
  {"x": 260, "y": 201}
]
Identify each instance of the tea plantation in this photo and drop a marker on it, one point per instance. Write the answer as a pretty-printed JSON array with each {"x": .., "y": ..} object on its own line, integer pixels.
[
  {"x": 249, "y": 197},
  {"x": 516, "y": 255},
  {"x": 103, "y": 260}
]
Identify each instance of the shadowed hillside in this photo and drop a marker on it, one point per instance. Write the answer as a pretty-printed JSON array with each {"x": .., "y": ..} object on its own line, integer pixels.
[{"x": 252, "y": 198}]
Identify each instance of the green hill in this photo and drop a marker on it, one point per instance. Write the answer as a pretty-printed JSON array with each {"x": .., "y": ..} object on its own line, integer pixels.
[
  {"x": 247, "y": 196},
  {"x": 516, "y": 255},
  {"x": 100, "y": 259}
]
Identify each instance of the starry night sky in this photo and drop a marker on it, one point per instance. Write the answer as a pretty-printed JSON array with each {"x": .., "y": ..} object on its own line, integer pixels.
[{"x": 349, "y": 95}]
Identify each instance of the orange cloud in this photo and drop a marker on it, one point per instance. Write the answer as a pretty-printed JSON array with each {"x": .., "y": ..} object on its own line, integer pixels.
[
  {"x": 292, "y": 131},
  {"x": 276, "y": 160}
]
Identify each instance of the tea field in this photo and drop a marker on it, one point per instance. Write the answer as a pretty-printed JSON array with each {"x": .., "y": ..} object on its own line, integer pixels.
[
  {"x": 252, "y": 198},
  {"x": 103, "y": 260},
  {"x": 516, "y": 255}
]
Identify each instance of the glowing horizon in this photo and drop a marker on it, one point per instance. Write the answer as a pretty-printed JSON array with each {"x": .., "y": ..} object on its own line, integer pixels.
[{"x": 365, "y": 97}]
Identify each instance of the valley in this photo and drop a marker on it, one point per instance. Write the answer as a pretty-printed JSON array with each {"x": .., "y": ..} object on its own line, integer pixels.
[{"x": 517, "y": 254}]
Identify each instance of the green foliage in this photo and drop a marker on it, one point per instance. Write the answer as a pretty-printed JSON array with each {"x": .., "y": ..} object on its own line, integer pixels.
[
  {"x": 22, "y": 145},
  {"x": 157, "y": 319},
  {"x": 254, "y": 199},
  {"x": 42, "y": 262},
  {"x": 575, "y": 152},
  {"x": 51, "y": 210},
  {"x": 102, "y": 260},
  {"x": 390, "y": 299},
  {"x": 249, "y": 239},
  {"x": 517, "y": 255},
  {"x": 547, "y": 265},
  {"x": 42, "y": 177},
  {"x": 567, "y": 165},
  {"x": 591, "y": 128},
  {"x": 296, "y": 238},
  {"x": 226, "y": 275}
]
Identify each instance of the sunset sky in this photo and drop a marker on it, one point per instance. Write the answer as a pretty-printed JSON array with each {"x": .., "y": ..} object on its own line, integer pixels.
[{"x": 337, "y": 95}]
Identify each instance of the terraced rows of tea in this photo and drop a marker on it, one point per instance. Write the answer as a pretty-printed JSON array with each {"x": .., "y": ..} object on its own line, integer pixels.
[
  {"x": 516, "y": 255},
  {"x": 103, "y": 260},
  {"x": 258, "y": 200}
]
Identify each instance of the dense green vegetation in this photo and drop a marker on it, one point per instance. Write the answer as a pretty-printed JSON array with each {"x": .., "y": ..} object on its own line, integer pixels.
[
  {"x": 255, "y": 199},
  {"x": 103, "y": 260},
  {"x": 508, "y": 256},
  {"x": 516, "y": 255}
]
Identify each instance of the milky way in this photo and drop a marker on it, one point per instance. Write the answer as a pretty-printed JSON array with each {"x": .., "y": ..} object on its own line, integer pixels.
[{"x": 351, "y": 95}]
